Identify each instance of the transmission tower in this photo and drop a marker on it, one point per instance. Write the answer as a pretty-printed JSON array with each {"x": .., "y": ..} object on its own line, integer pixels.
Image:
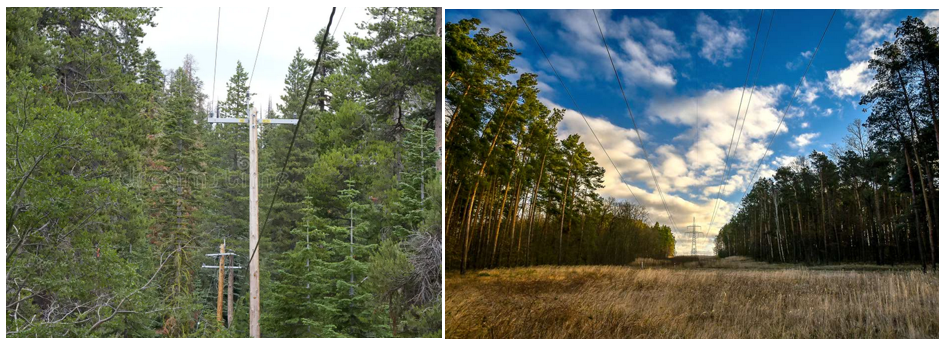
[{"x": 692, "y": 231}]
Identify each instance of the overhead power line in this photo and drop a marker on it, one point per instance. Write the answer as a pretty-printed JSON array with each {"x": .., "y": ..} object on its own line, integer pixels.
[
  {"x": 634, "y": 122},
  {"x": 731, "y": 150},
  {"x": 790, "y": 101},
  {"x": 253, "y": 72},
  {"x": 216, "y": 45},
  {"x": 295, "y": 131},
  {"x": 578, "y": 109},
  {"x": 340, "y": 17}
]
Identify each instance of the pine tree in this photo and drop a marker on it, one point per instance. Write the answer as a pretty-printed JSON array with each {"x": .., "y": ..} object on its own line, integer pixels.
[
  {"x": 179, "y": 194},
  {"x": 296, "y": 307},
  {"x": 349, "y": 248},
  {"x": 228, "y": 148}
]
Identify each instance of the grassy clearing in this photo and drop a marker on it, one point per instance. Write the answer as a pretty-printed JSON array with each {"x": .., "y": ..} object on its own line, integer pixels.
[{"x": 730, "y": 298}]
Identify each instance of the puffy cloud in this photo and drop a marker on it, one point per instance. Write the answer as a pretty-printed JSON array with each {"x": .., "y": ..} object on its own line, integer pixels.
[
  {"x": 640, "y": 48},
  {"x": 871, "y": 32},
  {"x": 671, "y": 169},
  {"x": 808, "y": 92},
  {"x": 805, "y": 125},
  {"x": 673, "y": 165},
  {"x": 931, "y": 18},
  {"x": 803, "y": 140},
  {"x": 853, "y": 80},
  {"x": 506, "y": 21},
  {"x": 661, "y": 43},
  {"x": 715, "y": 117},
  {"x": 783, "y": 161},
  {"x": 640, "y": 65},
  {"x": 719, "y": 43}
]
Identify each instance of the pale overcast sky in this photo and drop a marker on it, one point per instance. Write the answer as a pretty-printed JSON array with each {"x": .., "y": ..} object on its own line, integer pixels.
[{"x": 189, "y": 30}]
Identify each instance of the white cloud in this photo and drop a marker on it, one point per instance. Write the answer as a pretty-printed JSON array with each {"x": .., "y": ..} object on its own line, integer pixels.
[
  {"x": 803, "y": 140},
  {"x": 931, "y": 18},
  {"x": 719, "y": 43},
  {"x": 661, "y": 43},
  {"x": 640, "y": 48},
  {"x": 783, "y": 161},
  {"x": 805, "y": 125},
  {"x": 853, "y": 80},
  {"x": 671, "y": 168},
  {"x": 871, "y": 32},
  {"x": 809, "y": 92},
  {"x": 640, "y": 65},
  {"x": 506, "y": 21},
  {"x": 716, "y": 116},
  {"x": 703, "y": 148}
]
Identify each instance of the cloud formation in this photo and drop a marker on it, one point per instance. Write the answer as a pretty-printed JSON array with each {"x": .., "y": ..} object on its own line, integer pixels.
[
  {"x": 872, "y": 30},
  {"x": 931, "y": 18},
  {"x": 688, "y": 171},
  {"x": 641, "y": 49},
  {"x": 853, "y": 80},
  {"x": 670, "y": 166},
  {"x": 720, "y": 43},
  {"x": 801, "y": 141}
]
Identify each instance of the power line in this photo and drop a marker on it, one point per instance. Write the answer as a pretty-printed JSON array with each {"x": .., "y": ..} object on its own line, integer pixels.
[
  {"x": 634, "y": 122},
  {"x": 790, "y": 101},
  {"x": 755, "y": 81},
  {"x": 259, "y": 46},
  {"x": 621, "y": 176},
  {"x": 340, "y": 17},
  {"x": 732, "y": 149},
  {"x": 213, "y": 94},
  {"x": 295, "y": 131}
]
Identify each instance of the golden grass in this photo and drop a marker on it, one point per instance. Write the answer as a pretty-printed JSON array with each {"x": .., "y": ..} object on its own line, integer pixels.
[{"x": 687, "y": 301}]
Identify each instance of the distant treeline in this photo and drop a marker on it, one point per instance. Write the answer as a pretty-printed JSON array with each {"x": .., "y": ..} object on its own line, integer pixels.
[
  {"x": 516, "y": 195},
  {"x": 876, "y": 198}
]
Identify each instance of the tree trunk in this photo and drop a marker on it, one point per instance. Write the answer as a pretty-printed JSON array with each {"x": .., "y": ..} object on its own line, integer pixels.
[
  {"x": 535, "y": 193},
  {"x": 561, "y": 228},
  {"x": 499, "y": 222},
  {"x": 923, "y": 189}
]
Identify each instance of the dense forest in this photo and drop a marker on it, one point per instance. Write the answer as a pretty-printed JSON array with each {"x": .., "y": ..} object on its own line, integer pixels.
[
  {"x": 118, "y": 186},
  {"x": 876, "y": 197},
  {"x": 517, "y": 192}
]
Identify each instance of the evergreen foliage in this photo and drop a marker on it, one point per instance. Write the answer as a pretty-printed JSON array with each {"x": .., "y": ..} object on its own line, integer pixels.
[{"x": 118, "y": 185}]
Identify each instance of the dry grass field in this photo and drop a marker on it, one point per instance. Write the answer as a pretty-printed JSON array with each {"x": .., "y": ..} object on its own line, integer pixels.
[{"x": 710, "y": 298}]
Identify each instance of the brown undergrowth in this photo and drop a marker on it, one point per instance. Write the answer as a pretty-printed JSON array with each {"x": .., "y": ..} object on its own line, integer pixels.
[{"x": 709, "y": 298}]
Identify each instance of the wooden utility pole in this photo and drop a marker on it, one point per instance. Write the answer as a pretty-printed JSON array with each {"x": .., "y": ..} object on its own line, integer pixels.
[
  {"x": 254, "y": 230},
  {"x": 230, "y": 296},
  {"x": 254, "y": 207},
  {"x": 220, "y": 284},
  {"x": 222, "y": 255}
]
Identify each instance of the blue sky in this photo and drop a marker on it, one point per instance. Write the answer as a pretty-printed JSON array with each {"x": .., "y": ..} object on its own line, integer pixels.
[{"x": 683, "y": 72}]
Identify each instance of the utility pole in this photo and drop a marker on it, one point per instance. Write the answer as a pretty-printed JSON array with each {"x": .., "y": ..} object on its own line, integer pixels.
[
  {"x": 254, "y": 229},
  {"x": 220, "y": 283},
  {"x": 230, "y": 296},
  {"x": 693, "y": 236},
  {"x": 220, "y": 267},
  {"x": 254, "y": 206}
]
